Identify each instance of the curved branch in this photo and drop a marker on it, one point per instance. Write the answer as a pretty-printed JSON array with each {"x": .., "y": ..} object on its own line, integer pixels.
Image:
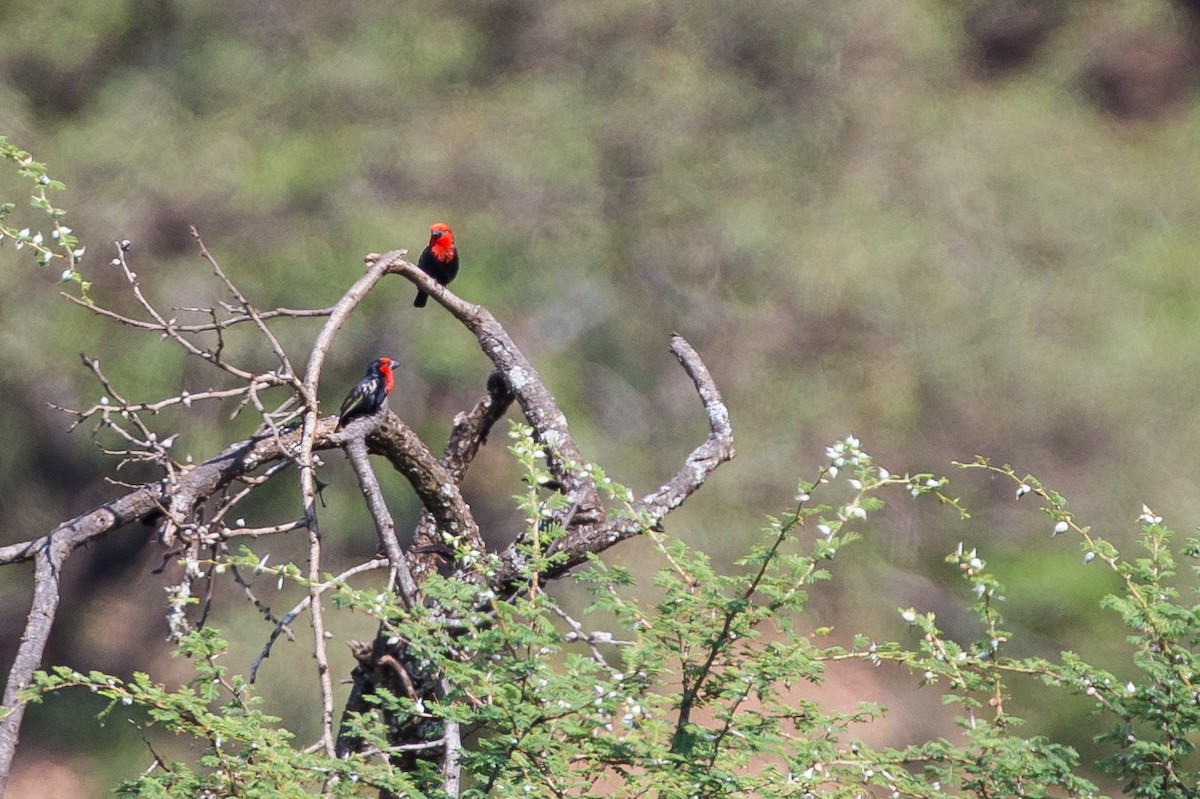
[
  {"x": 377, "y": 267},
  {"x": 582, "y": 540},
  {"x": 537, "y": 404}
]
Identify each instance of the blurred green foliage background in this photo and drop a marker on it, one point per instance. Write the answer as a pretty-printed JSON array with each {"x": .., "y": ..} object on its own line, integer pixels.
[{"x": 946, "y": 227}]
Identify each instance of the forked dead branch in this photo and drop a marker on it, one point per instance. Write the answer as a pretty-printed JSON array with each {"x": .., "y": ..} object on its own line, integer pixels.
[{"x": 193, "y": 503}]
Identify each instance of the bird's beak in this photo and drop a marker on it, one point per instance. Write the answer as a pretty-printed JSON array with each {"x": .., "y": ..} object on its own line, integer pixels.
[{"x": 434, "y": 235}]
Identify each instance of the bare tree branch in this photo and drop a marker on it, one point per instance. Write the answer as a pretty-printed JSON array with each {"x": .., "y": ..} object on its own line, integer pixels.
[
  {"x": 582, "y": 540},
  {"x": 472, "y": 428},
  {"x": 470, "y": 432},
  {"x": 47, "y": 566},
  {"x": 433, "y": 483},
  {"x": 356, "y": 448},
  {"x": 452, "y": 758},
  {"x": 392, "y": 439},
  {"x": 245, "y": 306},
  {"x": 196, "y": 499},
  {"x": 308, "y": 482},
  {"x": 537, "y": 404},
  {"x": 236, "y": 316}
]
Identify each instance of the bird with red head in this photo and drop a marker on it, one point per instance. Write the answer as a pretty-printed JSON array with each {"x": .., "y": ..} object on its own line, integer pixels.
[
  {"x": 369, "y": 393},
  {"x": 439, "y": 260}
]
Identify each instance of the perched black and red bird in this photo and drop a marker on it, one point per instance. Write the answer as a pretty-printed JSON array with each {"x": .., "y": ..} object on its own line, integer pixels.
[
  {"x": 439, "y": 260},
  {"x": 369, "y": 393}
]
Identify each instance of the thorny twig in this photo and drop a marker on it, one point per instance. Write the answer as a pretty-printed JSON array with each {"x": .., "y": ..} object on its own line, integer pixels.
[
  {"x": 281, "y": 626},
  {"x": 578, "y": 633},
  {"x": 248, "y": 309}
]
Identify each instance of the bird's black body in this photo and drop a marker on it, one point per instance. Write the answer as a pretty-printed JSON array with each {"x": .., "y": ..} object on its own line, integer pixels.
[
  {"x": 439, "y": 260},
  {"x": 369, "y": 393}
]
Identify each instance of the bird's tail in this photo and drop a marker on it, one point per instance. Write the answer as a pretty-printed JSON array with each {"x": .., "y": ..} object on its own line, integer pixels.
[{"x": 421, "y": 299}]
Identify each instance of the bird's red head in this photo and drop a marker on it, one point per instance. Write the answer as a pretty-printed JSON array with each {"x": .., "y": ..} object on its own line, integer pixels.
[
  {"x": 441, "y": 241},
  {"x": 384, "y": 367}
]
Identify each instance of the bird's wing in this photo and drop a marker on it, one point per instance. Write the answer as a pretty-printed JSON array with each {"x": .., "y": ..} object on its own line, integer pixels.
[{"x": 357, "y": 396}]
